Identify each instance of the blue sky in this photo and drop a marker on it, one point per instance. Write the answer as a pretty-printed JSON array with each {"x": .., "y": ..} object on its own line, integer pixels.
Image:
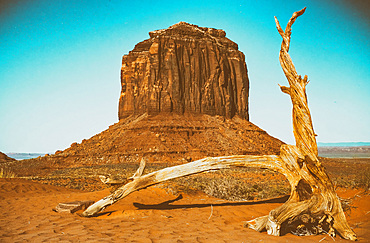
[{"x": 60, "y": 64}]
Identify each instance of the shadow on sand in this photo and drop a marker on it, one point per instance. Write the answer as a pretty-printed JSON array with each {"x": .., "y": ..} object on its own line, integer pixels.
[{"x": 167, "y": 204}]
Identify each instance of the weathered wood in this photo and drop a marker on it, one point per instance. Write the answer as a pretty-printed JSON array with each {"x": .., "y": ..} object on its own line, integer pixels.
[
  {"x": 72, "y": 207},
  {"x": 272, "y": 162},
  {"x": 302, "y": 123},
  {"x": 140, "y": 170},
  {"x": 312, "y": 197},
  {"x": 313, "y": 206},
  {"x": 107, "y": 179}
]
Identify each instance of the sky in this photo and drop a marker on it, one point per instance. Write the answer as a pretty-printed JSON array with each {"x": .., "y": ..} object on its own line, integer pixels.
[{"x": 60, "y": 64}]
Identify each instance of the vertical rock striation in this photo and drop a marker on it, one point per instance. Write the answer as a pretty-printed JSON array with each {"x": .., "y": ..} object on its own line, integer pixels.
[{"x": 185, "y": 68}]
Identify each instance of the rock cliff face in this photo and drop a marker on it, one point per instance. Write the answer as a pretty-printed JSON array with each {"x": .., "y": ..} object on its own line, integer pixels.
[{"x": 185, "y": 68}]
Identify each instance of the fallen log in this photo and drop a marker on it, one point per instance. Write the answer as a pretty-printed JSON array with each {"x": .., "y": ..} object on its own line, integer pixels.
[
  {"x": 207, "y": 164},
  {"x": 313, "y": 206}
]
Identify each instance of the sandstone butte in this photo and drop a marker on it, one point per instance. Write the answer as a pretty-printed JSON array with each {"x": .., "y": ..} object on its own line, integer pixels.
[
  {"x": 184, "y": 97},
  {"x": 185, "y": 68}
]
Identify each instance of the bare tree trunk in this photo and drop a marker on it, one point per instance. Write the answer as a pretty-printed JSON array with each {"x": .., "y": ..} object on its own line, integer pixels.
[{"x": 313, "y": 206}]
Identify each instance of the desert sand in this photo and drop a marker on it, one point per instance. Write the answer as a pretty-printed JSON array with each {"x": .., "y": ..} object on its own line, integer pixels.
[{"x": 150, "y": 215}]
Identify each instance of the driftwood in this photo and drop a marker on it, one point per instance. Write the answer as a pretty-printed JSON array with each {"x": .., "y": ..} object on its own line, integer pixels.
[{"x": 313, "y": 206}]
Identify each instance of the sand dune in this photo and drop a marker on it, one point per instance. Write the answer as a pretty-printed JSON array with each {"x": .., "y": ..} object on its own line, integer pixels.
[{"x": 150, "y": 215}]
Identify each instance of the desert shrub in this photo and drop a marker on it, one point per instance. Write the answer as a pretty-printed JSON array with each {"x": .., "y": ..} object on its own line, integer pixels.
[
  {"x": 364, "y": 180},
  {"x": 6, "y": 173},
  {"x": 359, "y": 180},
  {"x": 229, "y": 186}
]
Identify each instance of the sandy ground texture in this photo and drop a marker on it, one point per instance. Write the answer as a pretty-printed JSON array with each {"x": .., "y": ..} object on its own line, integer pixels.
[{"x": 149, "y": 215}]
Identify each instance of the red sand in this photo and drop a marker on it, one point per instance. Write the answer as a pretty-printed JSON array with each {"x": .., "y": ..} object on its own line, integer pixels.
[{"x": 145, "y": 216}]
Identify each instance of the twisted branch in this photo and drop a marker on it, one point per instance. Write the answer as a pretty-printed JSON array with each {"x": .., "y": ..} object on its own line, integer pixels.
[{"x": 302, "y": 123}]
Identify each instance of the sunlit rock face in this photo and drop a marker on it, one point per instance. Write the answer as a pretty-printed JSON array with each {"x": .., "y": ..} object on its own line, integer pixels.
[{"x": 185, "y": 68}]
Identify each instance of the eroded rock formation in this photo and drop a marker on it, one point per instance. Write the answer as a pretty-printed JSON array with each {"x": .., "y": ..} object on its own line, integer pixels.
[
  {"x": 184, "y": 97},
  {"x": 185, "y": 68}
]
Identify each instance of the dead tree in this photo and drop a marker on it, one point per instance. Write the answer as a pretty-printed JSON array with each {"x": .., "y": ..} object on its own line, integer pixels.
[{"x": 313, "y": 206}]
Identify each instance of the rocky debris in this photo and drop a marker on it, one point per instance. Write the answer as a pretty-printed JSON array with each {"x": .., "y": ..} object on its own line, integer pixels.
[
  {"x": 185, "y": 68},
  {"x": 4, "y": 158},
  {"x": 166, "y": 138}
]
